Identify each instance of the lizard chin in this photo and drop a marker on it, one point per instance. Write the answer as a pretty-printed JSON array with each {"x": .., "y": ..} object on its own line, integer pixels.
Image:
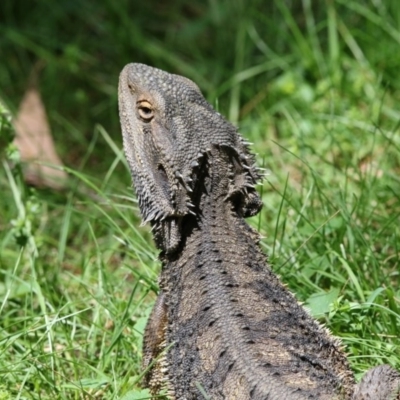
[{"x": 170, "y": 203}]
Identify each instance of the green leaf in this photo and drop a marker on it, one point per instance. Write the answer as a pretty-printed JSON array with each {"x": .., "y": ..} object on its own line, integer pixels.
[
  {"x": 136, "y": 395},
  {"x": 319, "y": 303}
]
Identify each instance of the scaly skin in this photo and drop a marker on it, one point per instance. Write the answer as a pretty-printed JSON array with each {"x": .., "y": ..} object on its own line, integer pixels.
[{"x": 223, "y": 324}]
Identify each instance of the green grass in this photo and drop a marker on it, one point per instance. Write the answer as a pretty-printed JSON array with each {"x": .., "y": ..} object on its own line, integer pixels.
[{"x": 315, "y": 87}]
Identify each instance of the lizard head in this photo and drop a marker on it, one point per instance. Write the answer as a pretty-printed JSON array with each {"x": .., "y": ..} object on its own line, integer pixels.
[{"x": 168, "y": 128}]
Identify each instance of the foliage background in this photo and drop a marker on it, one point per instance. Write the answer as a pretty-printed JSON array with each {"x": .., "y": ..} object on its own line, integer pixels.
[{"x": 313, "y": 83}]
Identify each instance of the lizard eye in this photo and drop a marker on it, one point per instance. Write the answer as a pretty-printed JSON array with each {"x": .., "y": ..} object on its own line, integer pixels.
[{"x": 145, "y": 111}]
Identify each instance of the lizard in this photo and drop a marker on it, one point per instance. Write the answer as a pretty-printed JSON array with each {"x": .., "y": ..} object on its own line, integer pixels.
[{"x": 223, "y": 325}]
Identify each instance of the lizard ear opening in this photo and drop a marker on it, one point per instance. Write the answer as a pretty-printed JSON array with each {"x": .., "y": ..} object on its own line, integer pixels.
[{"x": 242, "y": 180}]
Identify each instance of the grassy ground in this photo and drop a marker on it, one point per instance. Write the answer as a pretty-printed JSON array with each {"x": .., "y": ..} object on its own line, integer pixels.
[{"x": 314, "y": 87}]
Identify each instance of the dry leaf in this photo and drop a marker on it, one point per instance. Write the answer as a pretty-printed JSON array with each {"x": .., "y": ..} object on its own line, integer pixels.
[
  {"x": 369, "y": 166},
  {"x": 35, "y": 143}
]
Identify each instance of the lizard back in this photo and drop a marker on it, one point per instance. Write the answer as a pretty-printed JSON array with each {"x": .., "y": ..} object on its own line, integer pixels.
[{"x": 237, "y": 331}]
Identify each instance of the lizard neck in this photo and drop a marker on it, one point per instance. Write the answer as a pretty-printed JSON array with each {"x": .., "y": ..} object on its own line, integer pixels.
[{"x": 222, "y": 197}]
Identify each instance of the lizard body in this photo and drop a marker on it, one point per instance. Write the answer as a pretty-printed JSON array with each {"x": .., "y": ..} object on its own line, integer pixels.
[{"x": 224, "y": 326}]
